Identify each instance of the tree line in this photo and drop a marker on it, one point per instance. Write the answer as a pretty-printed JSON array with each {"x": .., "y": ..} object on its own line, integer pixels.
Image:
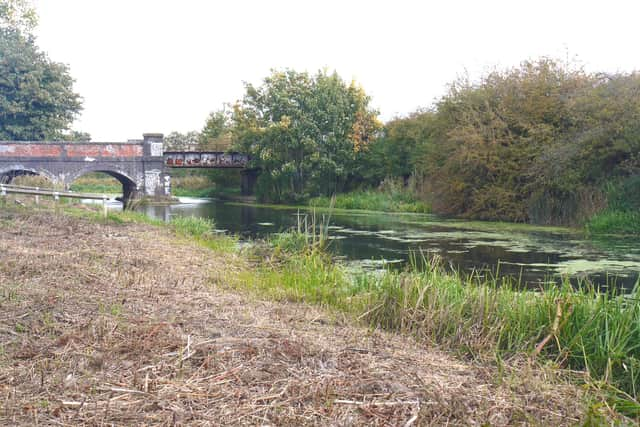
[{"x": 541, "y": 142}]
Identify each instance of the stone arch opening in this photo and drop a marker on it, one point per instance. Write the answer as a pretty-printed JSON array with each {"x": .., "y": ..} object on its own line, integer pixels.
[
  {"x": 129, "y": 187},
  {"x": 15, "y": 176}
]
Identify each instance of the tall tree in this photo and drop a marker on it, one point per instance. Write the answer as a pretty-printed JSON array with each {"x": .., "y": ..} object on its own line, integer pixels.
[
  {"x": 177, "y": 141},
  {"x": 37, "y": 100},
  {"x": 216, "y": 134},
  {"x": 18, "y": 15},
  {"x": 304, "y": 132}
]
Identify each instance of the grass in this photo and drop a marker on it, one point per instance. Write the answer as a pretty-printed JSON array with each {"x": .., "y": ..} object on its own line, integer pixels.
[
  {"x": 193, "y": 226},
  {"x": 97, "y": 188},
  {"x": 202, "y": 231},
  {"x": 97, "y": 183},
  {"x": 622, "y": 215},
  {"x": 581, "y": 330},
  {"x": 614, "y": 222},
  {"x": 373, "y": 201},
  {"x": 111, "y": 306},
  {"x": 198, "y": 230}
]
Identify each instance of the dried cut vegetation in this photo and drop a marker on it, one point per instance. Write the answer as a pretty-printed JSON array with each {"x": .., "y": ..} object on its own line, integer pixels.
[{"x": 128, "y": 325}]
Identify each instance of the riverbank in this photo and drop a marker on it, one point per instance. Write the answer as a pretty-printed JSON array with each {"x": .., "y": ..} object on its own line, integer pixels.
[
  {"x": 604, "y": 223},
  {"x": 372, "y": 200},
  {"x": 130, "y": 323}
]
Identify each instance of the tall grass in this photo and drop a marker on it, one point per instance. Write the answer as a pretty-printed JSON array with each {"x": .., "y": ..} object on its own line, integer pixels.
[
  {"x": 375, "y": 201},
  {"x": 202, "y": 231},
  {"x": 614, "y": 222},
  {"x": 580, "y": 329},
  {"x": 97, "y": 183},
  {"x": 622, "y": 215},
  {"x": 193, "y": 226}
]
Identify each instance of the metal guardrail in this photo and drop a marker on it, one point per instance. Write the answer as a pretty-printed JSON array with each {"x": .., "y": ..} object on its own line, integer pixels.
[{"x": 56, "y": 194}]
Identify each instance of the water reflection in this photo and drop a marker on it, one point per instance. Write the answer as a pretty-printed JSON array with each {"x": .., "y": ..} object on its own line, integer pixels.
[{"x": 373, "y": 240}]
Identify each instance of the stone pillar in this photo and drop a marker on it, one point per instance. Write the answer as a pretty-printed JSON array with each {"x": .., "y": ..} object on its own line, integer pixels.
[{"x": 156, "y": 180}]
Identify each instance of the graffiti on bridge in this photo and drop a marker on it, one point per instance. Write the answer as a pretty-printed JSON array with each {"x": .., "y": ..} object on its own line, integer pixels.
[{"x": 205, "y": 160}]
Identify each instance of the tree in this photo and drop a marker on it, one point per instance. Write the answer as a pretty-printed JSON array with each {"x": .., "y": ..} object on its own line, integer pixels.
[
  {"x": 36, "y": 94},
  {"x": 304, "y": 132},
  {"x": 177, "y": 141},
  {"x": 396, "y": 152},
  {"x": 76, "y": 136},
  {"x": 18, "y": 15},
  {"x": 216, "y": 134}
]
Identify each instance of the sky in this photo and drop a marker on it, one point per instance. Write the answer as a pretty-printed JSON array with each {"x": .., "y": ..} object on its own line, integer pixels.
[{"x": 162, "y": 66}]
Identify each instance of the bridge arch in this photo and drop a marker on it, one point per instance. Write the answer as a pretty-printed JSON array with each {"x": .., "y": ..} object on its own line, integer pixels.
[
  {"x": 8, "y": 173},
  {"x": 129, "y": 185}
]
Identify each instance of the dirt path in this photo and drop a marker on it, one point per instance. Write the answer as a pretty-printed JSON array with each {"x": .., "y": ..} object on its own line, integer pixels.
[{"x": 127, "y": 325}]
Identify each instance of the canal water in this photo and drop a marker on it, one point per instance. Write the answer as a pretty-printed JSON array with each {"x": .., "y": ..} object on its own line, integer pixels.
[{"x": 374, "y": 240}]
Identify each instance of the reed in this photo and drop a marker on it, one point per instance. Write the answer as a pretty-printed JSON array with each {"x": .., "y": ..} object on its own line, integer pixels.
[
  {"x": 614, "y": 222},
  {"x": 374, "y": 201},
  {"x": 193, "y": 226}
]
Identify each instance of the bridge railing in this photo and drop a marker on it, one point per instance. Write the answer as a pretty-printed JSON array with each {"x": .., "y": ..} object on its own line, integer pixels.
[{"x": 6, "y": 189}]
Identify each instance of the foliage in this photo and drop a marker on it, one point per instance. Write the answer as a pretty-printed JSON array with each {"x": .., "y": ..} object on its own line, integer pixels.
[
  {"x": 587, "y": 330},
  {"x": 192, "y": 226},
  {"x": 396, "y": 152},
  {"x": 624, "y": 195},
  {"x": 373, "y": 200},
  {"x": 614, "y": 222},
  {"x": 622, "y": 215},
  {"x": 36, "y": 94},
  {"x": 304, "y": 132},
  {"x": 288, "y": 242},
  {"x": 18, "y": 15},
  {"x": 176, "y": 141},
  {"x": 216, "y": 134},
  {"x": 536, "y": 143},
  {"x": 76, "y": 136}
]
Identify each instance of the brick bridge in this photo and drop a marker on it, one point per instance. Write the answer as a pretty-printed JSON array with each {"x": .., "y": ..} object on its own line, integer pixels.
[{"x": 141, "y": 166}]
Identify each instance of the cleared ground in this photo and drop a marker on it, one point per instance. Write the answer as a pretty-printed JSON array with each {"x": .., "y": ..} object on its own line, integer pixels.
[{"x": 129, "y": 325}]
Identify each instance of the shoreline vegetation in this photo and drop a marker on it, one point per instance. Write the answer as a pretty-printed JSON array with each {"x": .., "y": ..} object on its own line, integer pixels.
[
  {"x": 585, "y": 330},
  {"x": 619, "y": 221},
  {"x": 133, "y": 321},
  {"x": 594, "y": 335},
  {"x": 372, "y": 200}
]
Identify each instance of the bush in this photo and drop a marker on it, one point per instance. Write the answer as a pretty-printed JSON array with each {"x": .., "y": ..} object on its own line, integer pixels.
[{"x": 614, "y": 222}]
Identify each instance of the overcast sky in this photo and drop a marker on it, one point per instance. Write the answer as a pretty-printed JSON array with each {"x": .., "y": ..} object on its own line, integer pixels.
[{"x": 162, "y": 66}]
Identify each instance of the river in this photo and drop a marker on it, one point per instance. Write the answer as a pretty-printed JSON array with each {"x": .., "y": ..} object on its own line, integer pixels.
[{"x": 529, "y": 255}]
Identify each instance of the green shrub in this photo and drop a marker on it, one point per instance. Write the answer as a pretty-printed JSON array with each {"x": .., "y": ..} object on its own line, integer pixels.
[
  {"x": 289, "y": 242},
  {"x": 193, "y": 226},
  {"x": 614, "y": 222},
  {"x": 374, "y": 201}
]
